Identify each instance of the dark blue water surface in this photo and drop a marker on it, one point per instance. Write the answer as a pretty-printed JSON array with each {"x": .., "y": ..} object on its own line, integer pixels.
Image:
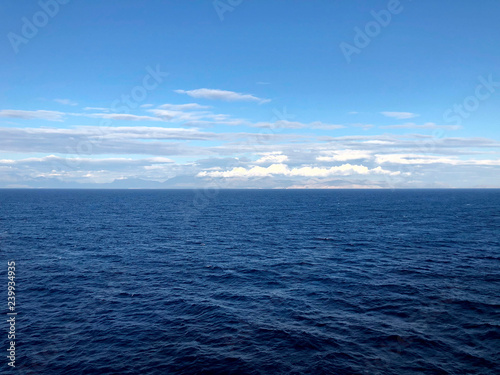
[{"x": 253, "y": 282}]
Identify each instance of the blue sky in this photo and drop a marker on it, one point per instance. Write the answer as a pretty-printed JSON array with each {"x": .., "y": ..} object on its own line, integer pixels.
[{"x": 271, "y": 94}]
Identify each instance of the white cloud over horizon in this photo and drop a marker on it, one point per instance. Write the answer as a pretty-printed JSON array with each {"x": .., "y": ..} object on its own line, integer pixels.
[
  {"x": 280, "y": 152},
  {"x": 306, "y": 171}
]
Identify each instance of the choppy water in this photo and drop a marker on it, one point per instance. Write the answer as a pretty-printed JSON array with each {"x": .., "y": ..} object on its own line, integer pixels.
[{"x": 254, "y": 282}]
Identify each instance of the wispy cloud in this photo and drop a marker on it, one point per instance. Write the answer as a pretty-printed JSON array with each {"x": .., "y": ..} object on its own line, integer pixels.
[
  {"x": 88, "y": 161},
  {"x": 96, "y": 109},
  {"x": 180, "y": 116},
  {"x": 207, "y": 123},
  {"x": 123, "y": 117},
  {"x": 427, "y": 125},
  {"x": 184, "y": 107},
  {"x": 66, "y": 102},
  {"x": 400, "y": 115},
  {"x": 102, "y": 140},
  {"x": 191, "y": 114},
  {"x": 32, "y": 115},
  {"x": 343, "y": 155},
  {"x": 284, "y": 124},
  {"x": 363, "y": 126},
  {"x": 419, "y": 159},
  {"x": 229, "y": 96}
]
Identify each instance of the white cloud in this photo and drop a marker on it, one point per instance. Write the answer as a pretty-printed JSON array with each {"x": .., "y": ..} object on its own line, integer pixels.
[
  {"x": 95, "y": 140},
  {"x": 172, "y": 115},
  {"x": 214, "y": 94},
  {"x": 183, "y": 107},
  {"x": 32, "y": 115},
  {"x": 399, "y": 115},
  {"x": 88, "y": 161},
  {"x": 416, "y": 159},
  {"x": 363, "y": 126},
  {"x": 202, "y": 123},
  {"x": 284, "y": 124},
  {"x": 272, "y": 157},
  {"x": 96, "y": 109},
  {"x": 66, "y": 102},
  {"x": 123, "y": 117},
  {"x": 344, "y": 155},
  {"x": 284, "y": 170},
  {"x": 378, "y": 142},
  {"x": 191, "y": 115},
  {"x": 427, "y": 125},
  {"x": 323, "y": 126}
]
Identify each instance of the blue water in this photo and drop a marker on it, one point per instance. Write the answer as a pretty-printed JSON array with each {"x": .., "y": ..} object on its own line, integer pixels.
[{"x": 253, "y": 282}]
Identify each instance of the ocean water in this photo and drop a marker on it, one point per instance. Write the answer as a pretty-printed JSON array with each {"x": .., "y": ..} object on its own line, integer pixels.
[{"x": 253, "y": 282}]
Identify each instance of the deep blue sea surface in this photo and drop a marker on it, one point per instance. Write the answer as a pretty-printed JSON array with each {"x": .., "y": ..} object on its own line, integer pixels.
[{"x": 253, "y": 282}]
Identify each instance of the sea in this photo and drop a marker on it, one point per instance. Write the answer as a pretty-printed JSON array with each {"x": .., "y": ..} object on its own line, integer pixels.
[{"x": 252, "y": 281}]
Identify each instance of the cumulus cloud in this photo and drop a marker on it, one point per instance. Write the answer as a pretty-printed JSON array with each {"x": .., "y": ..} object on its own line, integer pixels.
[
  {"x": 32, "y": 115},
  {"x": 399, "y": 115},
  {"x": 229, "y": 96},
  {"x": 284, "y": 170}
]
